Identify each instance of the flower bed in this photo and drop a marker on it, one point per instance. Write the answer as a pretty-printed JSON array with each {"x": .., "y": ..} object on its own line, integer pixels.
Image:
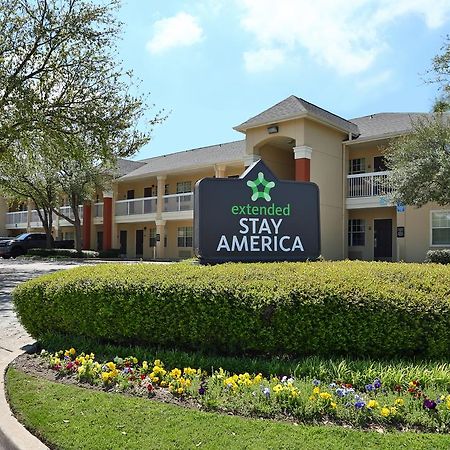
[{"x": 409, "y": 405}]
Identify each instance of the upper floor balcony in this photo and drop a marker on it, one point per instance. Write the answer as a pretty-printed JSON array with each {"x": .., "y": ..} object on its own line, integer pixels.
[
  {"x": 17, "y": 219},
  {"x": 368, "y": 190}
]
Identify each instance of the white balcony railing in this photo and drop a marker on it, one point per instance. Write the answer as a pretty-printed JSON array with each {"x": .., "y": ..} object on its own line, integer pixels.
[
  {"x": 146, "y": 205},
  {"x": 179, "y": 202},
  {"x": 371, "y": 184},
  {"x": 98, "y": 209},
  {"x": 17, "y": 217},
  {"x": 67, "y": 211}
]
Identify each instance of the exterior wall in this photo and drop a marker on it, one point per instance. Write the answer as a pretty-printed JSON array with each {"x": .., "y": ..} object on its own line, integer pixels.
[
  {"x": 280, "y": 161},
  {"x": 366, "y": 252},
  {"x": 327, "y": 173},
  {"x": 255, "y": 137},
  {"x": 368, "y": 151},
  {"x": 172, "y": 251},
  {"x": 417, "y": 240}
]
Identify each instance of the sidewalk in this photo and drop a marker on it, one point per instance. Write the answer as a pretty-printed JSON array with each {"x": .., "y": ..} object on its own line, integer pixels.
[{"x": 13, "y": 340}]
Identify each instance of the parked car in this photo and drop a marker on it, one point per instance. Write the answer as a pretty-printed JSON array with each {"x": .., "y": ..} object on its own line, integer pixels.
[{"x": 21, "y": 244}]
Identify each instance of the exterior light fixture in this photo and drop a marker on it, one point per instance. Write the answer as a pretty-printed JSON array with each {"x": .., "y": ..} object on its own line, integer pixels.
[{"x": 272, "y": 129}]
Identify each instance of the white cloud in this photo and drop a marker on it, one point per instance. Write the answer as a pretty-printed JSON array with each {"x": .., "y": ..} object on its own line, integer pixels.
[
  {"x": 181, "y": 30},
  {"x": 346, "y": 35},
  {"x": 264, "y": 59}
]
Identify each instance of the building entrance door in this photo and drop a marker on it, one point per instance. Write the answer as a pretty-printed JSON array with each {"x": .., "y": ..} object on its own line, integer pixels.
[
  {"x": 123, "y": 242},
  {"x": 139, "y": 243},
  {"x": 382, "y": 239}
]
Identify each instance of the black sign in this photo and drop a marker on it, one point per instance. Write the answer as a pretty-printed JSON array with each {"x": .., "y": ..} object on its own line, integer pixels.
[
  {"x": 400, "y": 232},
  {"x": 256, "y": 218}
]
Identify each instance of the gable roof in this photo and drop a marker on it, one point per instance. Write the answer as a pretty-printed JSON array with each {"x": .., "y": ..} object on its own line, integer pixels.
[
  {"x": 125, "y": 166},
  {"x": 213, "y": 154},
  {"x": 293, "y": 107}
]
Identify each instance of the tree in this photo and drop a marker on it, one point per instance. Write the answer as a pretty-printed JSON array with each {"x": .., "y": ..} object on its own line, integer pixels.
[
  {"x": 420, "y": 162},
  {"x": 58, "y": 71},
  {"x": 27, "y": 175}
]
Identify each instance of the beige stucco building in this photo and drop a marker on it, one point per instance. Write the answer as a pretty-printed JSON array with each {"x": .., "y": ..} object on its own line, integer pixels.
[{"x": 149, "y": 212}]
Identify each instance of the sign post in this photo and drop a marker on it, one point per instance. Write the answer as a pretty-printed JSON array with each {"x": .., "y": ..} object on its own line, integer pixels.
[{"x": 256, "y": 218}]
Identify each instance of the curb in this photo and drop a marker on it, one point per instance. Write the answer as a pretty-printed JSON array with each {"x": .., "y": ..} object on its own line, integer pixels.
[{"x": 13, "y": 435}]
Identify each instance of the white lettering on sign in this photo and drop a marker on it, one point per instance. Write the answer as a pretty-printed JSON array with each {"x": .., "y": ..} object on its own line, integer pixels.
[{"x": 255, "y": 243}]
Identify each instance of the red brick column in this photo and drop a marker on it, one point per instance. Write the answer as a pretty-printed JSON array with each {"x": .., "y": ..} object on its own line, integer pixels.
[
  {"x": 107, "y": 221},
  {"x": 87, "y": 215},
  {"x": 302, "y": 157}
]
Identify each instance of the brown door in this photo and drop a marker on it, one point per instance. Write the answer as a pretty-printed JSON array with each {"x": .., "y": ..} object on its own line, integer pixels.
[
  {"x": 382, "y": 239},
  {"x": 139, "y": 243}
]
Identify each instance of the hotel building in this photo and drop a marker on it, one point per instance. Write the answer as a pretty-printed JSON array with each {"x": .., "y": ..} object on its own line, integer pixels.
[{"x": 149, "y": 212}]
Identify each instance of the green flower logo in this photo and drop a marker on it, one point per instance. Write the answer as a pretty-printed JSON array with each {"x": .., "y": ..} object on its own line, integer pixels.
[{"x": 261, "y": 181}]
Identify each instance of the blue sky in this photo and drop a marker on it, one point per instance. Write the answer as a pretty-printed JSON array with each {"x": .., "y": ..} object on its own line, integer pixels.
[{"x": 214, "y": 63}]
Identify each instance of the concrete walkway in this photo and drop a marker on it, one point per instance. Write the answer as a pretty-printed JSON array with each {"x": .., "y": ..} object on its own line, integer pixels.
[{"x": 13, "y": 341}]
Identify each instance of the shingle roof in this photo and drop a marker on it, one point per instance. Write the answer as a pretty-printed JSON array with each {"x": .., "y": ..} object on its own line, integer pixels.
[
  {"x": 381, "y": 124},
  {"x": 214, "y": 154},
  {"x": 293, "y": 107},
  {"x": 125, "y": 166}
]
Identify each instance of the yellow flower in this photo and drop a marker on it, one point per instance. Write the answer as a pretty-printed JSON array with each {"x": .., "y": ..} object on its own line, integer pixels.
[
  {"x": 111, "y": 366},
  {"x": 325, "y": 395},
  {"x": 175, "y": 373},
  {"x": 393, "y": 410},
  {"x": 72, "y": 351},
  {"x": 313, "y": 398},
  {"x": 158, "y": 363},
  {"x": 145, "y": 365},
  {"x": 385, "y": 411},
  {"x": 189, "y": 371},
  {"x": 316, "y": 390},
  {"x": 258, "y": 378},
  {"x": 277, "y": 388},
  {"x": 105, "y": 377},
  {"x": 163, "y": 383},
  {"x": 294, "y": 393},
  {"x": 372, "y": 404},
  {"x": 399, "y": 402},
  {"x": 180, "y": 390},
  {"x": 135, "y": 360},
  {"x": 333, "y": 405}
]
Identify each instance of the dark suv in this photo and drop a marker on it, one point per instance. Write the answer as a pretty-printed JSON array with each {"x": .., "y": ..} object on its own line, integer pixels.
[{"x": 21, "y": 244}]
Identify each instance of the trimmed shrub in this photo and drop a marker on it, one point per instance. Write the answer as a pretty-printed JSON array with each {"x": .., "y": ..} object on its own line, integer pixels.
[
  {"x": 111, "y": 253},
  {"x": 438, "y": 256},
  {"x": 324, "y": 308},
  {"x": 61, "y": 252}
]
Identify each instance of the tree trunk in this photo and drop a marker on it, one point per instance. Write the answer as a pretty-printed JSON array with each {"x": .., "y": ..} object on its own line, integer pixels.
[
  {"x": 77, "y": 223},
  {"x": 46, "y": 217}
]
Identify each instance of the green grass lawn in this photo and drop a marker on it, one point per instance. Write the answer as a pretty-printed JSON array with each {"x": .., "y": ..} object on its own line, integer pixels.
[{"x": 69, "y": 417}]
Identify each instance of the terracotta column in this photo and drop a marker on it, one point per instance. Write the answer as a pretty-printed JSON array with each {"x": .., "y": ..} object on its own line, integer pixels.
[
  {"x": 107, "y": 220},
  {"x": 87, "y": 215},
  {"x": 302, "y": 155}
]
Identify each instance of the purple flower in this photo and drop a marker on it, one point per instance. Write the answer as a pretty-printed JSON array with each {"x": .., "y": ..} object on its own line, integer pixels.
[
  {"x": 377, "y": 383},
  {"x": 429, "y": 404},
  {"x": 316, "y": 382},
  {"x": 201, "y": 390},
  {"x": 360, "y": 404},
  {"x": 333, "y": 385},
  {"x": 370, "y": 387},
  {"x": 340, "y": 392},
  {"x": 266, "y": 392}
]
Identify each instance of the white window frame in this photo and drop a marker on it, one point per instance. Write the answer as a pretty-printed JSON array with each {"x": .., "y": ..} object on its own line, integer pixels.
[
  {"x": 363, "y": 164},
  {"x": 431, "y": 228},
  {"x": 350, "y": 233},
  {"x": 182, "y": 187}
]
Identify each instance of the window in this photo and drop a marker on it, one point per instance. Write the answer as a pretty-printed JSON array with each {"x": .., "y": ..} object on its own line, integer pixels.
[
  {"x": 357, "y": 166},
  {"x": 356, "y": 232},
  {"x": 440, "y": 227},
  {"x": 184, "y": 187},
  {"x": 152, "y": 237},
  {"x": 185, "y": 237}
]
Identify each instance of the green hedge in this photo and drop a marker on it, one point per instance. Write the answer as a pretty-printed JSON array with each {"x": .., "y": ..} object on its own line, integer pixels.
[
  {"x": 441, "y": 256},
  {"x": 327, "y": 308},
  {"x": 61, "y": 252}
]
